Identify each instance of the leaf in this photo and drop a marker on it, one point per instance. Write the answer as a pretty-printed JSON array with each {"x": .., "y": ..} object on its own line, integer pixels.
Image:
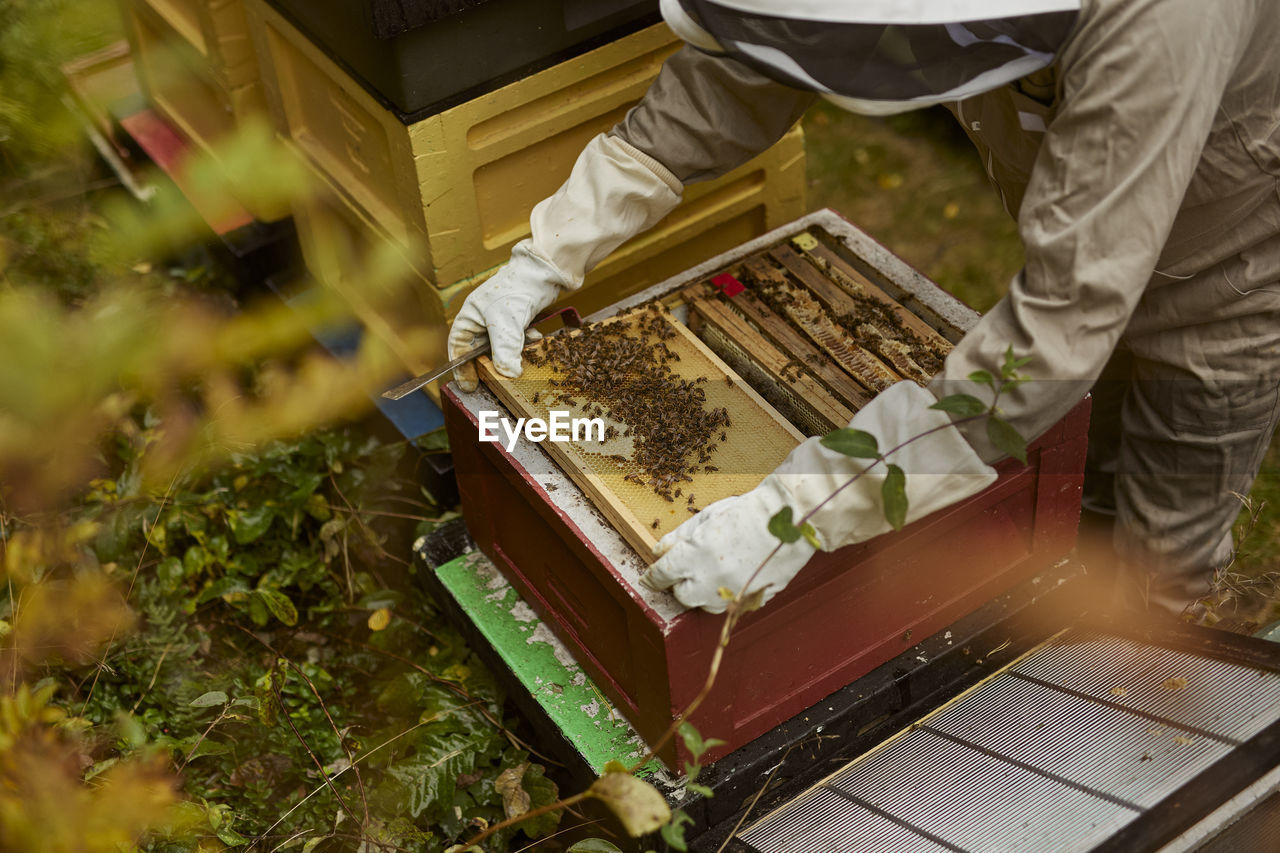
[
  {"x": 428, "y": 780},
  {"x": 379, "y": 619},
  {"x": 982, "y": 377},
  {"x": 637, "y": 804},
  {"x": 515, "y": 799},
  {"x": 279, "y": 605},
  {"x": 894, "y": 494},
  {"x": 692, "y": 739},
  {"x": 673, "y": 832},
  {"x": 1011, "y": 364},
  {"x": 700, "y": 789},
  {"x": 754, "y": 600},
  {"x": 208, "y": 700},
  {"x": 1007, "y": 439},
  {"x": 209, "y": 747},
  {"x": 542, "y": 792},
  {"x": 264, "y": 691},
  {"x": 230, "y": 837},
  {"x": 594, "y": 845},
  {"x": 170, "y": 570},
  {"x": 963, "y": 405},
  {"x": 852, "y": 442},
  {"x": 780, "y": 526},
  {"x": 222, "y": 587},
  {"x": 248, "y": 525}
]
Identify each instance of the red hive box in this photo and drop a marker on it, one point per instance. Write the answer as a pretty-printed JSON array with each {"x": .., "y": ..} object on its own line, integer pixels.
[{"x": 847, "y": 612}]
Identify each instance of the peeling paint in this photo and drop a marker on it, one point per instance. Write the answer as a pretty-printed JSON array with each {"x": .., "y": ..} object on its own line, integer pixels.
[
  {"x": 522, "y": 612},
  {"x": 542, "y": 634}
]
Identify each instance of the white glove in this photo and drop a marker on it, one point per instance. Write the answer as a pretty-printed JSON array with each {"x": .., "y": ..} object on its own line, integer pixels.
[
  {"x": 614, "y": 192},
  {"x": 722, "y": 546}
]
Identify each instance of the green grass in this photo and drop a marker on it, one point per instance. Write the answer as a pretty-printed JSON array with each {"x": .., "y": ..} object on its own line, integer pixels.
[{"x": 915, "y": 183}]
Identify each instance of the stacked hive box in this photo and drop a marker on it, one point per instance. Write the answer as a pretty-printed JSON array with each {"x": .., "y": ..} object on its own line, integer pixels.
[
  {"x": 195, "y": 61},
  {"x": 450, "y": 193}
]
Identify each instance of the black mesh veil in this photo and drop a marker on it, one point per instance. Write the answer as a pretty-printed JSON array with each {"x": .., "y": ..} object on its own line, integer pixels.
[{"x": 890, "y": 62}]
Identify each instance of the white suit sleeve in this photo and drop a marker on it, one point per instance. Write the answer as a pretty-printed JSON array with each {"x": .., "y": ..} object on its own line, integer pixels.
[
  {"x": 706, "y": 115},
  {"x": 1141, "y": 86}
]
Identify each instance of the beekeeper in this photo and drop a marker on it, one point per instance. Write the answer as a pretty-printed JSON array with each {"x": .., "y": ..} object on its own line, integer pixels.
[{"x": 1137, "y": 144}]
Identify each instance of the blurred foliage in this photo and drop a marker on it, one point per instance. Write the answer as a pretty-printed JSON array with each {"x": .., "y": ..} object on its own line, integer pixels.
[
  {"x": 210, "y": 635},
  {"x": 230, "y": 635}
]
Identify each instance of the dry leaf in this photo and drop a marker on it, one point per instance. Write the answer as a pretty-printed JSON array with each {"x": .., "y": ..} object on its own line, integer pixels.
[
  {"x": 1119, "y": 691},
  {"x": 379, "y": 619},
  {"x": 515, "y": 799},
  {"x": 638, "y": 805},
  {"x": 1178, "y": 683}
]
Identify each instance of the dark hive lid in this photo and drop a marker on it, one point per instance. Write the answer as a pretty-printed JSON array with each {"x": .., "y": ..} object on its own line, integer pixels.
[{"x": 396, "y": 17}]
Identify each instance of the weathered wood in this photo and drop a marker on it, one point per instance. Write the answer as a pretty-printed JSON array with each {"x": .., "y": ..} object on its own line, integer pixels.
[
  {"x": 856, "y": 284},
  {"x": 778, "y": 331},
  {"x": 811, "y": 317},
  {"x": 785, "y": 381},
  {"x": 871, "y": 320}
]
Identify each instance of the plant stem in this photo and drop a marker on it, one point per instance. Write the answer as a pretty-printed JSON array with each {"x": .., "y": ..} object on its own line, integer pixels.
[
  {"x": 529, "y": 815},
  {"x": 733, "y": 612}
]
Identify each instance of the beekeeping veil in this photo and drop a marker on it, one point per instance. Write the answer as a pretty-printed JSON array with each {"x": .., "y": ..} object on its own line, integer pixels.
[{"x": 881, "y": 56}]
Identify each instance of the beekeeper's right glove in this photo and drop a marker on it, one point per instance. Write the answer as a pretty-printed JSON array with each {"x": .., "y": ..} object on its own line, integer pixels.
[{"x": 614, "y": 192}]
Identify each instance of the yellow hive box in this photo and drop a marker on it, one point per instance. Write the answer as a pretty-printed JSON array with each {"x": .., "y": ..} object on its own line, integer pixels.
[
  {"x": 340, "y": 241},
  {"x": 456, "y": 188},
  {"x": 219, "y": 31},
  {"x": 180, "y": 83}
]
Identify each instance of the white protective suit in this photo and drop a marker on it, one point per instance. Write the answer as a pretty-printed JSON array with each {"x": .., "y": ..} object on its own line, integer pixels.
[{"x": 1139, "y": 150}]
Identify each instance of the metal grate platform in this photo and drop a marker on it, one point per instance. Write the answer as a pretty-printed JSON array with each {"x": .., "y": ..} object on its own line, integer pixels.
[{"x": 1059, "y": 751}]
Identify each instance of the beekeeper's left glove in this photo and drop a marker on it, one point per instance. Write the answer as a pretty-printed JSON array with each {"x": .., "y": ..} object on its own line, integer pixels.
[{"x": 724, "y": 545}]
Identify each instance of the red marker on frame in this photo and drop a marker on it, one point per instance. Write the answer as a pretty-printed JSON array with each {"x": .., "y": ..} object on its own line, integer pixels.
[{"x": 727, "y": 284}]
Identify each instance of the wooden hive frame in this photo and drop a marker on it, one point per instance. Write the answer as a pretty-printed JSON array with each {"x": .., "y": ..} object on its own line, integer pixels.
[{"x": 759, "y": 442}]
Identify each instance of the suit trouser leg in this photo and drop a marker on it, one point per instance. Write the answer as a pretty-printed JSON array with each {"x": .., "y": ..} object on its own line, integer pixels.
[{"x": 1195, "y": 422}]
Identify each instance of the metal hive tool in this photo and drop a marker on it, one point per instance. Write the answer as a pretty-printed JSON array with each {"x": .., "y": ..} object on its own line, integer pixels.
[{"x": 1059, "y": 751}]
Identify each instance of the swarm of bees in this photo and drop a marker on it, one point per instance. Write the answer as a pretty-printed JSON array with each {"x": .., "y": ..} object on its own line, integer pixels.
[{"x": 622, "y": 370}]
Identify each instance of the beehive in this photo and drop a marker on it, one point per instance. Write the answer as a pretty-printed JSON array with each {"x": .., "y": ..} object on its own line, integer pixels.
[
  {"x": 756, "y": 441},
  {"x": 218, "y": 30},
  {"x": 847, "y": 612},
  {"x": 204, "y": 85},
  {"x": 456, "y": 188},
  {"x": 424, "y": 57}
]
